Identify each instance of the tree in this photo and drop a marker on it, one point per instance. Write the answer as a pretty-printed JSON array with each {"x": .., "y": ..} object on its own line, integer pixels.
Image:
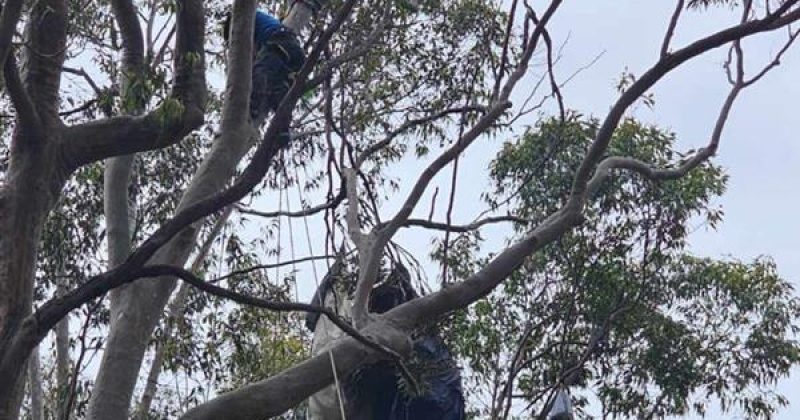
[
  {"x": 616, "y": 307},
  {"x": 376, "y": 93}
]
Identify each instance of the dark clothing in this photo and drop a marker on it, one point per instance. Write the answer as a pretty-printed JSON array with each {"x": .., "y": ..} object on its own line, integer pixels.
[
  {"x": 266, "y": 24},
  {"x": 373, "y": 392},
  {"x": 278, "y": 57},
  {"x": 273, "y": 72},
  {"x": 443, "y": 398}
]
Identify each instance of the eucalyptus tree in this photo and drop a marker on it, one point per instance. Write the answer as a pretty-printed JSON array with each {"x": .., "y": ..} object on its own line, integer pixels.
[
  {"x": 616, "y": 310},
  {"x": 380, "y": 89}
]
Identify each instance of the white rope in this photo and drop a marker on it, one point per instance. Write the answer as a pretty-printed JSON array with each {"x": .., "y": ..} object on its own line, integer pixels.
[{"x": 337, "y": 385}]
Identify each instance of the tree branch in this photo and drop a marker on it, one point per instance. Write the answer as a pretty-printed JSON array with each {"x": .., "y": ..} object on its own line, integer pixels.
[
  {"x": 45, "y": 50},
  {"x": 353, "y": 226},
  {"x": 169, "y": 123},
  {"x": 775, "y": 61},
  {"x": 26, "y": 113},
  {"x": 673, "y": 23},
  {"x": 658, "y": 71},
  {"x": 464, "y": 228},
  {"x": 411, "y": 124},
  {"x": 35, "y": 327},
  {"x": 11, "y": 12},
  {"x": 340, "y": 196},
  {"x": 353, "y": 53},
  {"x": 270, "y": 266},
  {"x": 277, "y": 306}
]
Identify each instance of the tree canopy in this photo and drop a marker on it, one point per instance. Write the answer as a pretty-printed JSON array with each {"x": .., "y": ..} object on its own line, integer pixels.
[{"x": 156, "y": 244}]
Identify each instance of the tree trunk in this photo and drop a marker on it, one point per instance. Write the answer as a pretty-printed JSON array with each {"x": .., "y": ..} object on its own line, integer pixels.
[
  {"x": 141, "y": 304},
  {"x": 175, "y": 312},
  {"x": 112, "y": 392},
  {"x": 62, "y": 365},
  {"x": 116, "y": 207},
  {"x": 35, "y": 386},
  {"x": 28, "y": 198}
]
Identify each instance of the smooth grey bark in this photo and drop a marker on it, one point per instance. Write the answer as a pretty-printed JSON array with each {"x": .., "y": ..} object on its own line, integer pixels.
[
  {"x": 44, "y": 153},
  {"x": 117, "y": 209},
  {"x": 272, "y": 397},
  {"x": 63, "y": 365},
  {"x": 35, "y": 386},
  {"x": 174, "y": 313},
  {"x": 32, "y": 179},
  {"x": 111, "y": 394},
  {"x": 140, "y": 305}
]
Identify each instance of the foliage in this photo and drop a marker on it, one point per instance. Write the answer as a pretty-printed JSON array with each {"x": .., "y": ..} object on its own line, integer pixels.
[
  {"x": 675, "y": 317},
  {"x": 616, "y": 308}
]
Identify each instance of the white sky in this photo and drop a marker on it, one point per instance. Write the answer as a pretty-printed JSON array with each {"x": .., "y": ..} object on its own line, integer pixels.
[{"x": 758, "y": 149}]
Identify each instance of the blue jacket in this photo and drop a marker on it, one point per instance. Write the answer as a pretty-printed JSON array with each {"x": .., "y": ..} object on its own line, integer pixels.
[{"x": 266, "y": 26}]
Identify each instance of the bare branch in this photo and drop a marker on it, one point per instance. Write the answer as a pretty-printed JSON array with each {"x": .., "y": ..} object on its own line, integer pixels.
[
  {"x": 775, "y": 61},
  {"x": 82, "y": 73},
  {"x": 658, "y": 71},
  {"x": 440, "y": 162},
  {"x": 270, "y": 266},
  {"x": 333, "y": 203},
  {"x": 673, "y": 23},
  {"x": 504, "y": 55},
  {"x": 464, "y": 228},
  {"x": 661, "y": 174},
  {"x": 411, "y": 124},
  {"x": 554, "y": 87}
]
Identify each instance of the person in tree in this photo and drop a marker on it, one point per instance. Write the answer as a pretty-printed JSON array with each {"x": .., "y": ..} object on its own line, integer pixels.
[{"x": 277, "y": 57}]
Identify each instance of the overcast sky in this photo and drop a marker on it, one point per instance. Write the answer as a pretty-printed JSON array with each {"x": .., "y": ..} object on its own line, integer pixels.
[{"x": 758, "y": 148}]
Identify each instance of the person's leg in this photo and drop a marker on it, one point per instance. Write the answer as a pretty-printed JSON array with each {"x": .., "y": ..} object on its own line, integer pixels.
[
  {"x": 260, "y": 105},
  {"x": 278, "y": 76},
  {"x": 273, "y": 76}
]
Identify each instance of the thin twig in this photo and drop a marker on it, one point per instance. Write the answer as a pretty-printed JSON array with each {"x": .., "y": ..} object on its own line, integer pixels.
[{"x": 673, "y": 23}]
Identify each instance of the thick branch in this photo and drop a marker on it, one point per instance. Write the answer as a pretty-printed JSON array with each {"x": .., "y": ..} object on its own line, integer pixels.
[
  {"x": 131, "y": 32},
  {"x": 11, "y": 11},
  {"x": 43, "y": 56},
  {"x": 273, "y": 396},
  {"x": 116, "y": 136},
  {"x": 26, "y": 113},
  {"x": 167, "y": 124}
]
